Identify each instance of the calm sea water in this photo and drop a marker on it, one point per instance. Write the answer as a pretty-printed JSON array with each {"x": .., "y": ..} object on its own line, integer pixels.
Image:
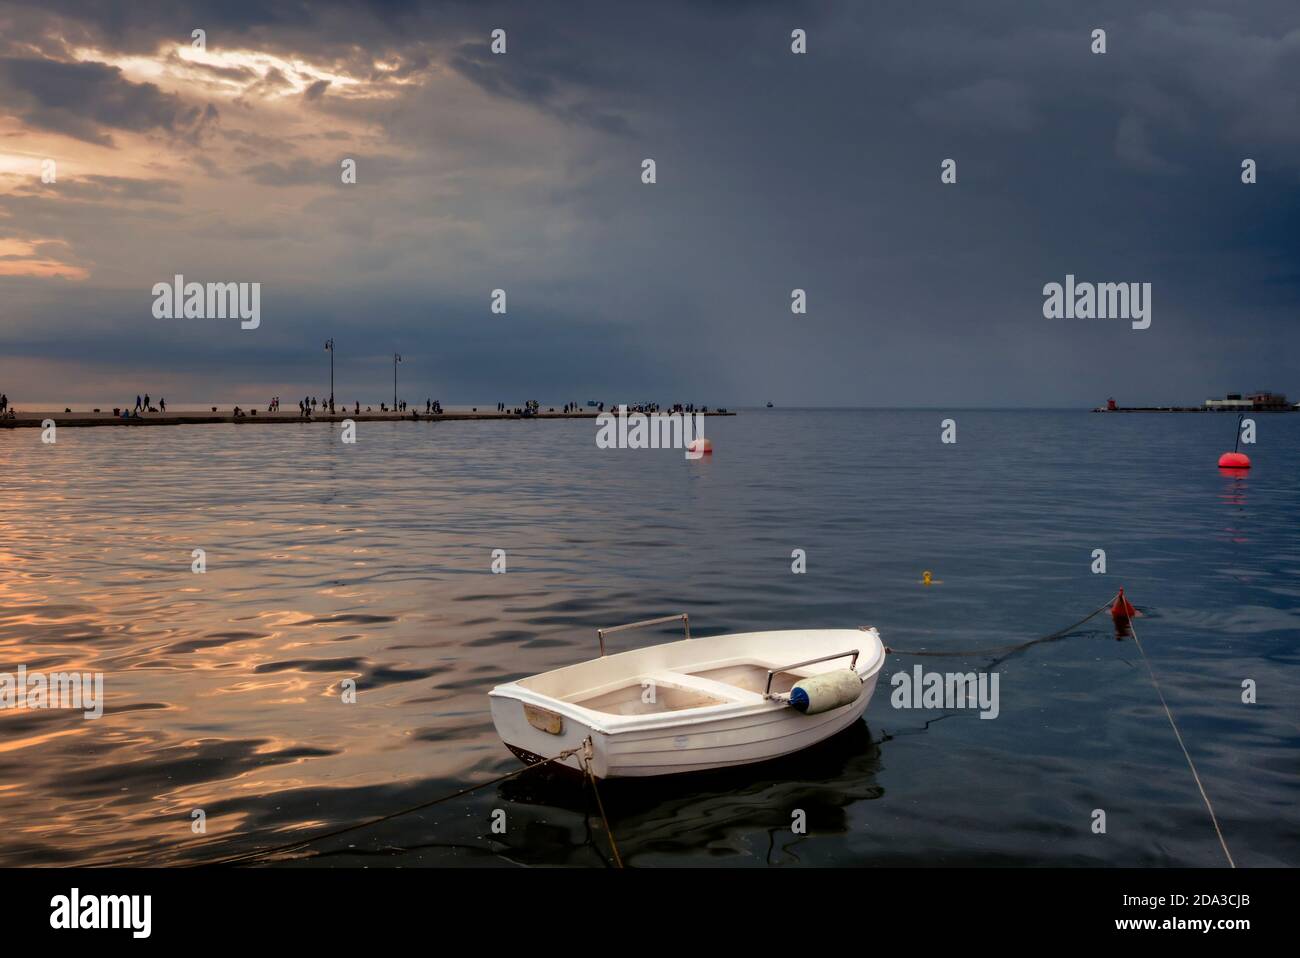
[{"x": 372, "y": 562}]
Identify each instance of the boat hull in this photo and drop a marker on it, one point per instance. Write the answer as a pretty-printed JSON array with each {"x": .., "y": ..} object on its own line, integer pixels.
[{"x": 756, "y": 729}]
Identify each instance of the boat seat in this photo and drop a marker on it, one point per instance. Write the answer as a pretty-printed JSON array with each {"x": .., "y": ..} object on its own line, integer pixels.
[{"x": 720, "y": 690}]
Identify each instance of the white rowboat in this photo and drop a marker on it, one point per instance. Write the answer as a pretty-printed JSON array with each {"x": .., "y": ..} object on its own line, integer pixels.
[{"x": 692, "y": 705}]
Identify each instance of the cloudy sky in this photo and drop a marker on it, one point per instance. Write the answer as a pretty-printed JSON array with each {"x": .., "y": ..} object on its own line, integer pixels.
[{"x": 522, "y": 171}]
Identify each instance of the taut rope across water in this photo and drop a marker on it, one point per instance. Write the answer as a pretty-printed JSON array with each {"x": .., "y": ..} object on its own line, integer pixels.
[{"x": 1150, "y": 671}]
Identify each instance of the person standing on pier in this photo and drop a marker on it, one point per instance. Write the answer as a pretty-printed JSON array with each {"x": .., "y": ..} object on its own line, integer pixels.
[
  {"x": 4, "y": 402},
  {"x": 162, "y": 404}
]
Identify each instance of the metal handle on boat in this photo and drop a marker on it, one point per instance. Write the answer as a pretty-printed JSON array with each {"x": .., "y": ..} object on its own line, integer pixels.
[
  {"x": 601, "y": 633},
  {"x": 767, "y": 691}
]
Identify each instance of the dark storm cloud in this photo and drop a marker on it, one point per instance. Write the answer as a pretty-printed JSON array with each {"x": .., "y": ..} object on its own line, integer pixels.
[
  {"x": 449, "y": 353},
  {"x": 989, "y": 104},
  {"x": 137, "y": 26},
  {"x": 775, "y": 171},
  {"x": 87, "y": 100},
  {"x": 534, "y": 86},
  {"x": 343, "y": 28}
]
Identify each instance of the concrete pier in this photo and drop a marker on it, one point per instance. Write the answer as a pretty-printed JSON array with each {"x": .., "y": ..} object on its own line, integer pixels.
[{"x": 86, "y": 418}]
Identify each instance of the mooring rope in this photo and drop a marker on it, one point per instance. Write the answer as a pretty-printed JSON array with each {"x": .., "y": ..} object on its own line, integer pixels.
[
  {"x": 1150, "y": 671},
  {"x": 1006, "y": 649},
  {"x": 600, "y": 806},
  {"x": 262, "y": 853},
  {"x": 1178, "y": 735}
]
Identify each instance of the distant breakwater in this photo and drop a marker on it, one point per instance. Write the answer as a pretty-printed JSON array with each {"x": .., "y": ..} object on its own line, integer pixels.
[{"x": 36, "y": 419}]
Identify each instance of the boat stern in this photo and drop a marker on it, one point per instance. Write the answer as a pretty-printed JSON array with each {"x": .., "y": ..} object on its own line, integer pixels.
[{"x": 535, "y": 732}]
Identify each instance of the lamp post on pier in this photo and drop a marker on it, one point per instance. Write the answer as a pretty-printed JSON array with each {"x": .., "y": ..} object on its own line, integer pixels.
[
  {"x": 396, "y": 359},
  {"x": 329, "y": 346}
]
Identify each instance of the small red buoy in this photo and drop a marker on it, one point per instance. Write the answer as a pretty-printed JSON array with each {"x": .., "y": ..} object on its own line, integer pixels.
[
  {"x": 1123, "y": 608},
  {"x": 1234, "y": 459},
  {"x": 699, "y": 447}
]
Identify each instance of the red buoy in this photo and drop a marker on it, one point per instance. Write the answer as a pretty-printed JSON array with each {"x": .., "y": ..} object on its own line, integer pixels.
[
  {"x": 1123, "y": 608},
  {"x": 1234, "y": 459}
]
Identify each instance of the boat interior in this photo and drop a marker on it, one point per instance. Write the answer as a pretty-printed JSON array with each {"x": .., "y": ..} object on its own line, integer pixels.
[
  {"x": 668, "y": 691},
  {"x": 698, "y": 673}
]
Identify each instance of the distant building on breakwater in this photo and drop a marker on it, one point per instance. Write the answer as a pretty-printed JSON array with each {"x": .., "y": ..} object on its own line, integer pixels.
[
  {"x": 1266, "y": 401},
  {"x": 1254, "y": 402}
]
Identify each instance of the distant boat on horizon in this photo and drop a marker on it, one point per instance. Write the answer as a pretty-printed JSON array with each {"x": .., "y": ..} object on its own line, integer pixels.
[{"x": 769, "y": 404}]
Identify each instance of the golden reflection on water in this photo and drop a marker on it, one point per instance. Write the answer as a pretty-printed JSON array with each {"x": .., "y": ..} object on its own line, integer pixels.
[{"x": 223, "y": 689}]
